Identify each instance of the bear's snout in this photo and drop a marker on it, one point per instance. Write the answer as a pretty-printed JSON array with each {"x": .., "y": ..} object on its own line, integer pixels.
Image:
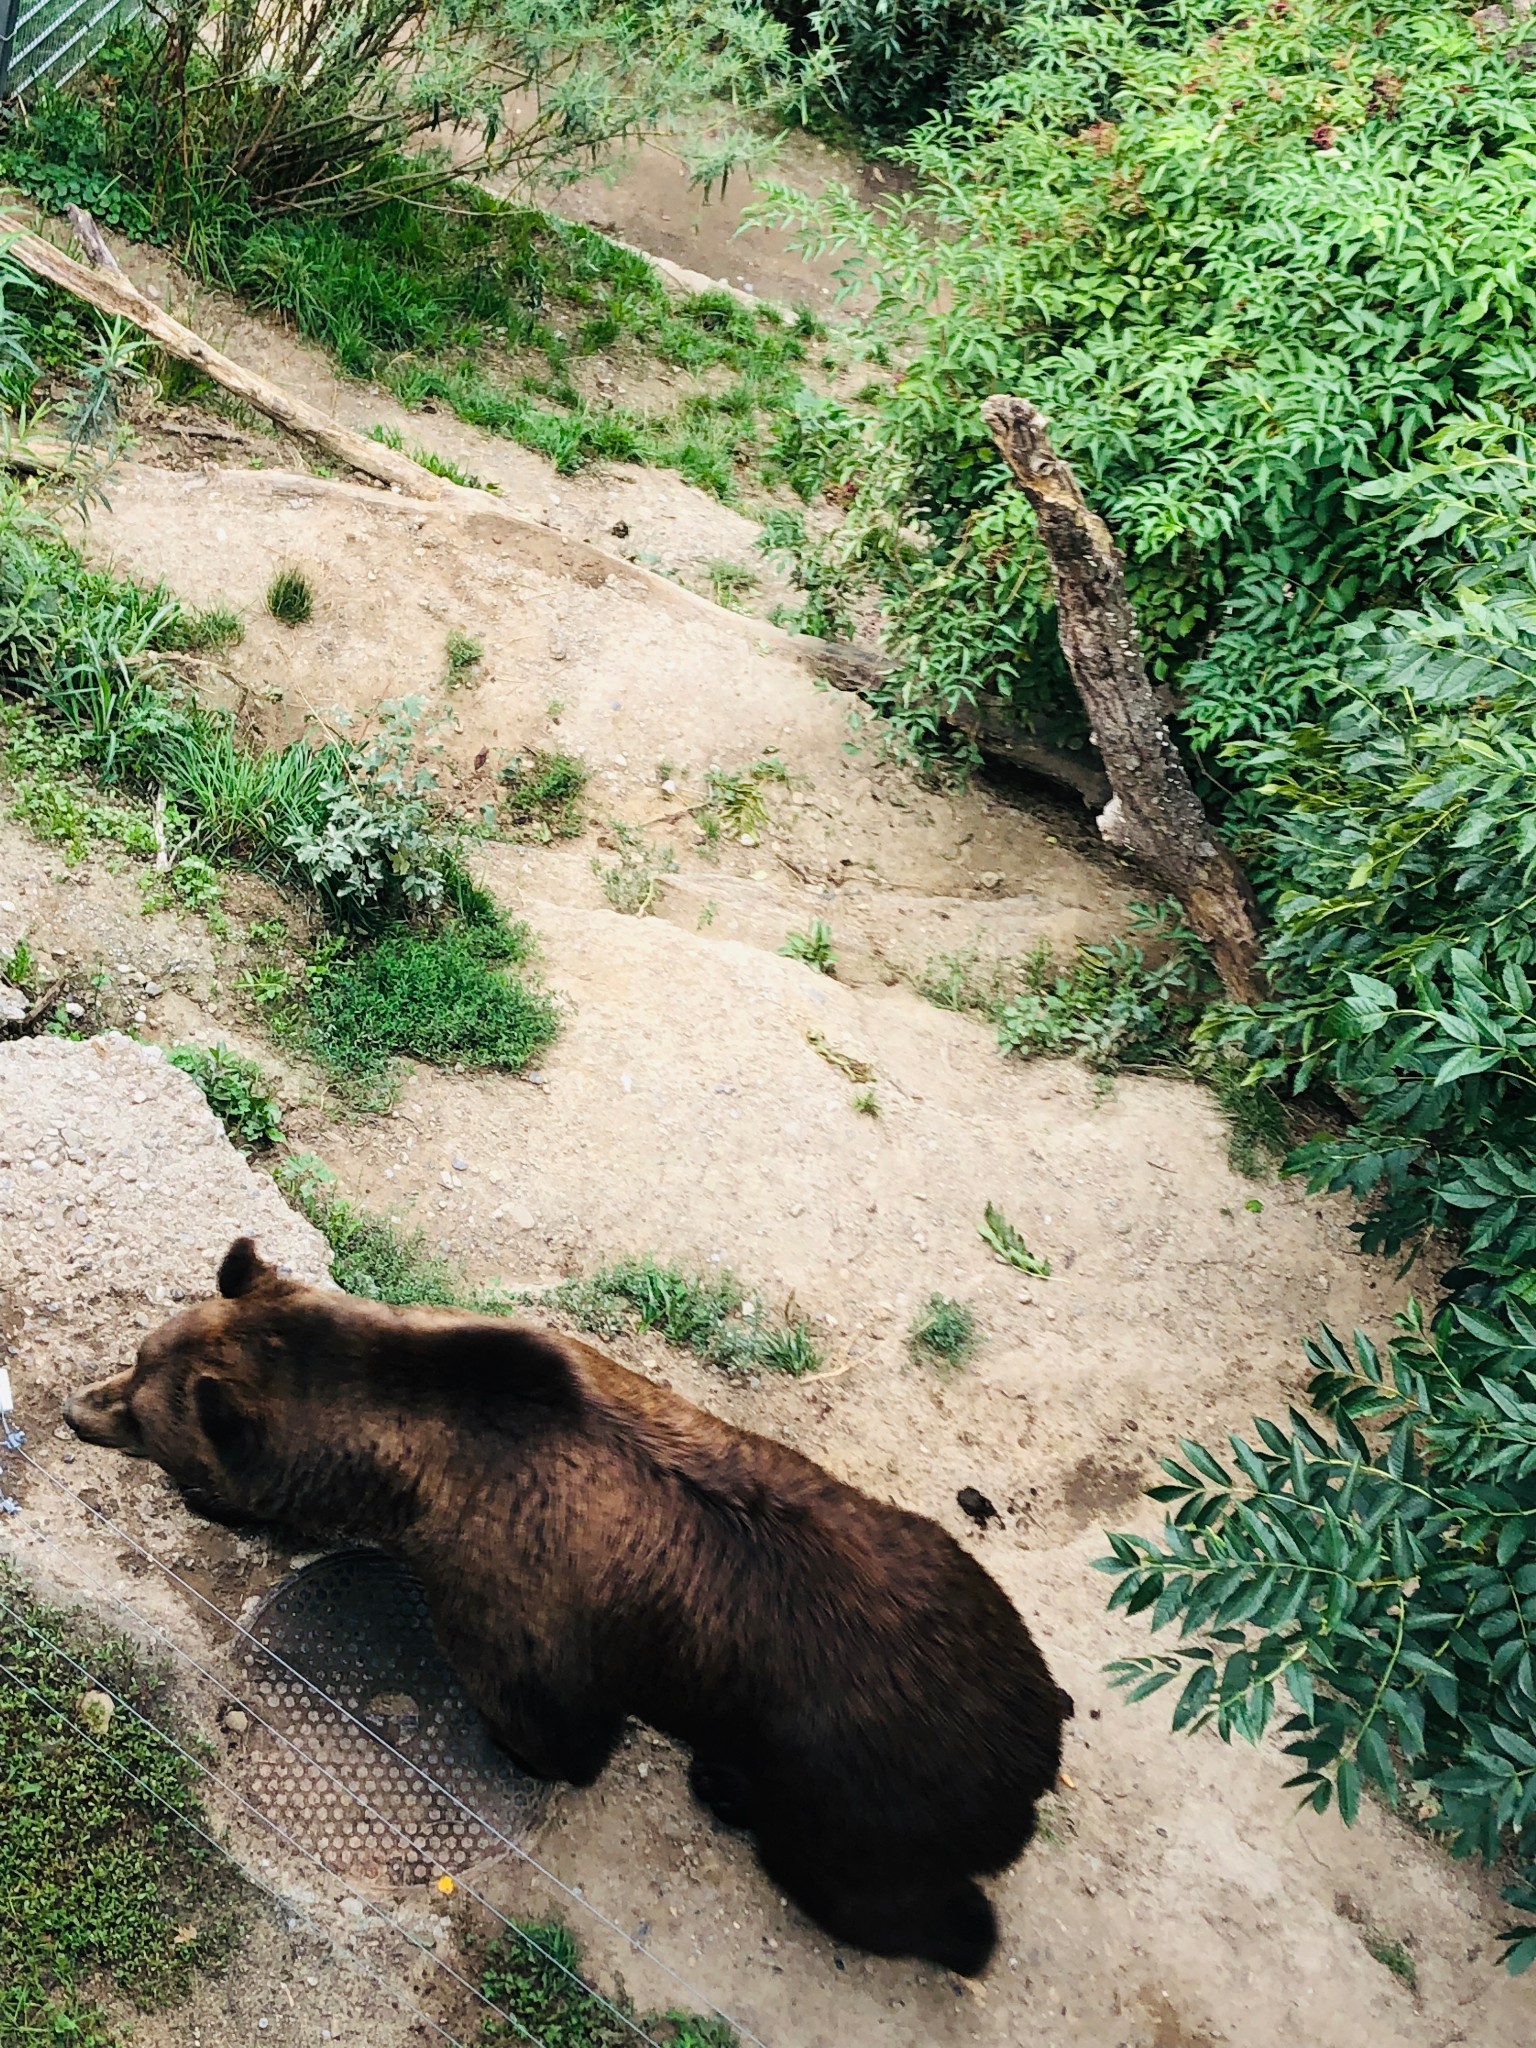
[{"x": 100, "y": 1415}]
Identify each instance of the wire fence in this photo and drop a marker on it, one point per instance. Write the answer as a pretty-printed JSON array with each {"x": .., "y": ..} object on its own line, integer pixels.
[
  {"x": 13, "y": 1441},
  {"x": 45, "y": 42}
]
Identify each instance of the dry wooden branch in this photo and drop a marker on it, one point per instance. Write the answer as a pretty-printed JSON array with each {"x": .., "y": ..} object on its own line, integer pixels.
[
  {"x": 111, "y": 292},
  {"x": 1154, "y": 812}
]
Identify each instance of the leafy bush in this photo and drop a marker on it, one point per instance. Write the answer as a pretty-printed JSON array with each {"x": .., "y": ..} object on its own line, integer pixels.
[
  {"x": 104, "y": 1874},
  {"x": 238, "y": 1092},
  {"x": 814, "y": 947},
  {"x": 1250, "y": 265},
  {"x": 443, "y": 995},
  {"x": 1381, "y": 1577}
]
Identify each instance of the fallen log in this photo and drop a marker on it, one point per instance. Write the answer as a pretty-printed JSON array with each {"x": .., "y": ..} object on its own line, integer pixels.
[{"x": 112, "y": 293}]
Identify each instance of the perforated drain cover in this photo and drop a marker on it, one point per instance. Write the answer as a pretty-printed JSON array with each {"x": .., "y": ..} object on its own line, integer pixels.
[{"x": 354, "y": 1628}]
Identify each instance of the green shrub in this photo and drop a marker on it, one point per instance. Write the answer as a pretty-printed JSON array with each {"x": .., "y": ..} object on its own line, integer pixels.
[
  {"x": 1250, "y": 266},
  {"x": 238, "y": 1092},
  {"x": 463, "y": 655},
  {"x": 105, "y": 1879},
  {"x": 631, "y": 883},
  {"x": 1372, "y": 1586},
  {"x": 944, "y": 1333},
  {"x": 426, "y": 995}
]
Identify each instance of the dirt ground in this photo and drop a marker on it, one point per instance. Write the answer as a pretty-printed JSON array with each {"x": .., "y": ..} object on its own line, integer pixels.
[{"x": 1176, "y": 1900}]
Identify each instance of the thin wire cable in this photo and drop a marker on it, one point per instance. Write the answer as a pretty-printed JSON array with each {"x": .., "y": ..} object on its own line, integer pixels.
[
  {"x": 359, "y": 1799},
  {"x": 289, "y": 1908},
  {"x": 426, "y": 1776},
  {"x": 369, "y": 1905}
]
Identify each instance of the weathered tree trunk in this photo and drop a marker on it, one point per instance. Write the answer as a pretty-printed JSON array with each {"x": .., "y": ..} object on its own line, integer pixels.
[
  {"x": 1154, "y": 813},
  {"x": 111, "y": 292}
]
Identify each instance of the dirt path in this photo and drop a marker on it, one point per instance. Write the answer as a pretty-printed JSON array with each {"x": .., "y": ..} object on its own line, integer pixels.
[{"x": 1177, "y": 1902}]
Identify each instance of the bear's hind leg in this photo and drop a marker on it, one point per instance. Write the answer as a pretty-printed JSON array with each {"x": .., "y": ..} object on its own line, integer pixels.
[{"x": 723, "y": 1787}]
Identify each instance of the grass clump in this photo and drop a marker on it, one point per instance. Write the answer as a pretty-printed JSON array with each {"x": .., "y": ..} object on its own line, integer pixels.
[
  {"x": 735, "y": 800},
  {"x": 239, "y": 1093},
  {"x": 103, "y": 1877},
  {"x": 428, "y": 458},
  {"x": 463, "y": 654},
  {"x": 542, "y": 795},
  {"x": 730, "y": 582},
  {"x": 632, "y": 881},
  {"x": 944, "y": 1333},
  {"x": 372, "y": 1256},
  {"x": 445, "y": 996},
  {"x": 713, "y": 1317},
  {"x": 206, "y": 632},
  {"x": 291, "y": 598},
  {"x": 532, "y": 1974},
  {"x": 1005, "y": 1243},
  {"x": 866, "y": 1102},
  {"x": 1393, "y": 1956},
  {"x": 814, "y": 947}
]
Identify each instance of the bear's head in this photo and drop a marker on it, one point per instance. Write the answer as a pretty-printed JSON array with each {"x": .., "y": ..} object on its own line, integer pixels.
[
  {"x": 209, "y": 1394},
  {"x": 280, "y": 1402}
]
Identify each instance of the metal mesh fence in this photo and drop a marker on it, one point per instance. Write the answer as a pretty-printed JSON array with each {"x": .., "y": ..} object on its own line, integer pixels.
[{"x": 47, "y": 41}]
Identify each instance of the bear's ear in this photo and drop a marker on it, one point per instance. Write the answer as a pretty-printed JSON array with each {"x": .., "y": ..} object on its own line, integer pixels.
[
  {"x": 232, "y": 1433},
  {"x": 242, "y": 1269}
]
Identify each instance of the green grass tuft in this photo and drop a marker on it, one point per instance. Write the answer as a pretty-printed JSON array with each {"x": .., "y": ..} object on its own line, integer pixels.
[
  {"x": 711, "y": 1316},
  {"x": 442, "y": 996},
  {"x": 238, "y": 1090},
  {"x": 533, "y": 1975},
  {"x": 814, "y": 947},
  {"x": 372, "y": 1256},
  {"x": 103, "y": 1882},
  {"x": 944, "y": 1333},
  {"x": 543, "y": 793},
  {"x": 290, "y": 599},
  {"x": 463, "y": 655}
]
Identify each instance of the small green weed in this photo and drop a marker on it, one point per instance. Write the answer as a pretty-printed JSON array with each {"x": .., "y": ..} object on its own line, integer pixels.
[
  {"x": 866, "y": 1102},
  {"x": 20, "y": 968},
  {"x": 239, "y": 1093},
  {"x": 440, "y": 465},
  {"x": 290, "y": 598},
  {"x": 730, "y": 582},
  {"x": 443, "y": 996},
  {"x": 1393, "y": 1956},
  {"x": 735, "y": 802},
  {"x": 999, "y": 1235},
  {"x": 631, "y": 882},
  {"x": 542, "y": 795},
  {"x": 533, "y": 1975},
  {"x": 463, "y": 656},
  {"x": 713, "y": 1316},
  {"x": 944, "y": 1333},
  {"x": 814, "y": 947},
  {"x": 192, "y": 883},
  {"x": 103, "y": 1877}
]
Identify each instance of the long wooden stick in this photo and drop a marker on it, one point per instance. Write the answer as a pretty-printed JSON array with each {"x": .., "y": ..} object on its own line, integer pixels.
[
  {"x": 111, "y": 292},
  {"x": 1155, "y": 813}
]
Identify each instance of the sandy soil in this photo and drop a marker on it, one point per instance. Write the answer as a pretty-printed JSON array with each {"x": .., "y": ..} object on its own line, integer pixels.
[{"x": 1178, "y": 1902}]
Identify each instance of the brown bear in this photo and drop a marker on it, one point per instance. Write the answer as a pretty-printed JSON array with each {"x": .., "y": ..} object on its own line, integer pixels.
[{"x": 855, "y": 1690}]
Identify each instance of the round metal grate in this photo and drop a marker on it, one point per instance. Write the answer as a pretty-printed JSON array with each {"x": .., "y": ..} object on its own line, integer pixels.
[{"x": 355, "y": 1627}]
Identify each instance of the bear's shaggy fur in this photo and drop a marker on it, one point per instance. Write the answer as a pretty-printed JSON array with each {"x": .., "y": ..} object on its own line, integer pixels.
[{"x": 856, "y": 1691}]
